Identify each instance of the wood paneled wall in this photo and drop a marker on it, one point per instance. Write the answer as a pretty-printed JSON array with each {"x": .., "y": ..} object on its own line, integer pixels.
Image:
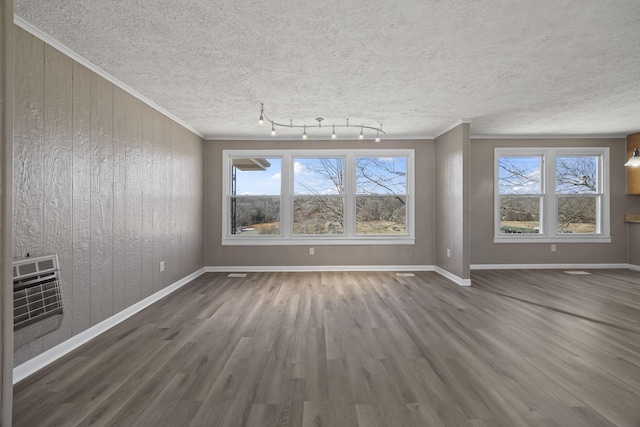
[{"x": 106, "y": 182}]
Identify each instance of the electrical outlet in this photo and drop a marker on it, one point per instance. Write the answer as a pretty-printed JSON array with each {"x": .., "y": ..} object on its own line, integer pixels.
[
  {"x": 448, "y": 253},
  {"x": 553, "y": 247},
  {"x": 312, "y": 251},
  {"x": 161, "y": 266}
]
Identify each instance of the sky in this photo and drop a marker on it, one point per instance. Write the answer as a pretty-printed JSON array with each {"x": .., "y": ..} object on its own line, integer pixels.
[
  {"x": 260, "y": 183},
  {"x": 268, "y": 182},
  {"x": 521, "y": 175},
  {"x": 517, "y": 175}
]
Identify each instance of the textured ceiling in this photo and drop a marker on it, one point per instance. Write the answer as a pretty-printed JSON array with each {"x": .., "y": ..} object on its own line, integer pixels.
[{"x": 545, "y": 67}]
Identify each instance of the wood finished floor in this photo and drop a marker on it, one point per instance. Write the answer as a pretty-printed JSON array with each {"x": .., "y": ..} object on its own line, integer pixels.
[{"x": 518, "y": 348}]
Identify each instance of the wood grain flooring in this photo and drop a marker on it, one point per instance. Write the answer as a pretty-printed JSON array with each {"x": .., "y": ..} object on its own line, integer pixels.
[{"x": 365, "y": 349}]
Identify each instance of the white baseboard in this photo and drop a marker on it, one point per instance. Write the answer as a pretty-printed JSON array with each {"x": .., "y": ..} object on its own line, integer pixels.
[
  {"x": 546, "y": 266},
  {"x": 31, "y": 366},
  {"x": 634, "y": 267},
  {"x": 312, "y": 268},
  {"x": 455, "y": 279}
]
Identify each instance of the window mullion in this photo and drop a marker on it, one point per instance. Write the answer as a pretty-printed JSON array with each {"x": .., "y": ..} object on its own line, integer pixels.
[
  {"x": 600, "y": 187},
  {"x": 226, "y": 196},
  {"x": 550, "y": 196},
  {"x": 349, "y": 198},
  {"x": 410, "y": 209},
  {"x": 286, "y": 196}
]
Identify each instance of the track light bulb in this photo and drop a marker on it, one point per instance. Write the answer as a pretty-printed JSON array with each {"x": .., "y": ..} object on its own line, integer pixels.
[
  {"x": 304, "y": 132},
  {"x": 261, "y": 119},
  {"x": 273, "y": 130},
  {"x": 361, "y": 136},
  {"x": 333, "y": 133}
]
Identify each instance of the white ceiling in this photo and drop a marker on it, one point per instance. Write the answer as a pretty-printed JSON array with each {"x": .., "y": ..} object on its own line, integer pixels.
[{"x": 544, "y": 67}]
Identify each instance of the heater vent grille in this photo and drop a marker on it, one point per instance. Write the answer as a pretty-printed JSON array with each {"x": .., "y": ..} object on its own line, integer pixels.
[{"x": 37, "y": 298}]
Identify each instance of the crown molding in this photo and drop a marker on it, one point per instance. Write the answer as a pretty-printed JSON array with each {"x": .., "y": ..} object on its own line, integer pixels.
[
  {"x": 452, "y": 126},
  {"x": 36, "y": 32},
  {"x": 550, "y": 136}
]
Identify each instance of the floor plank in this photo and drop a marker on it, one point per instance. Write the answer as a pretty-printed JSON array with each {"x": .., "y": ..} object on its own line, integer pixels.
[{"x": 517, "y": 348}]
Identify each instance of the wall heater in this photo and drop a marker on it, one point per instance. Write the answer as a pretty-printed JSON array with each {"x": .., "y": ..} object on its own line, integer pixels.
[{"x": 37, "y": 298}]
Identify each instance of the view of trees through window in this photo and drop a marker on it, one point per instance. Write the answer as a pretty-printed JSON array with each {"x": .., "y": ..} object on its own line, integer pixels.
[
  {"x": 255, "y": 196},
  {"x": 319, "y": 195},
  {"x": 318, "y": 201},
  {"x": 519, "y": 182},
  {"x": 381, "y": 188},
  {"x": 577, "y": 190},
  {"x": 521, "y": 189}
]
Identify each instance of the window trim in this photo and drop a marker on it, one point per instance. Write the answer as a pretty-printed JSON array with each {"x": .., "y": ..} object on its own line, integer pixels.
[
  {"x": 286, "y": 199},
  {"x": 548, "y": 208}
]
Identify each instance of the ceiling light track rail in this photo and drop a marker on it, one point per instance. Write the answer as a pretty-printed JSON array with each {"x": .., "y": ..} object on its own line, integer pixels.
[{"x": 333, "y": 126}]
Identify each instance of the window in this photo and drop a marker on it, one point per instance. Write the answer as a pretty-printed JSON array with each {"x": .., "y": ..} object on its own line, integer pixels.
[
  {"x": 381, "y": 195},
  {"x": 254, "y": 199},
  {"x": 318, "y": 197},
  {"x": 520, "y": 193},
  {"x": 552, "y": 194}
]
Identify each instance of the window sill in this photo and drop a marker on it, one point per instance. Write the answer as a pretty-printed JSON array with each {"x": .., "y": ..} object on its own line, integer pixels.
[
  {"x": 318, "y": 241},
  {"x": 547, "y": 239}
]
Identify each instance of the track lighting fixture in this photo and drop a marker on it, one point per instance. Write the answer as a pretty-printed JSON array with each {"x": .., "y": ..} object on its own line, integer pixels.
[{"x": 264, "y": 117}]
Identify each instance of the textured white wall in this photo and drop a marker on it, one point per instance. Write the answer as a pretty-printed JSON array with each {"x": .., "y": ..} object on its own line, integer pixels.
[{"x": 105, "y": 181}]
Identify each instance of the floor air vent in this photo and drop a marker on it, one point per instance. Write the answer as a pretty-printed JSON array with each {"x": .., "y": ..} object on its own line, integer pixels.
[{"x": 37, "y": 298}]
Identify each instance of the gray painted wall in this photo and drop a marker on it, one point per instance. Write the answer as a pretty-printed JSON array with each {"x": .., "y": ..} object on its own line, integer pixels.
[
  {"x": 6, "y": 146},
  {"x": 419, "y": 254},
  {"x": 634, "y": 243},
  {"x": 484, "y": 251},
  {"x": 106, "y": 182},
  {"x": 452, "y": 192}
]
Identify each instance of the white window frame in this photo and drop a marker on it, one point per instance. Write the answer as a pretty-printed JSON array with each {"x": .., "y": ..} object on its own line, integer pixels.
[
  {"x": 286, "y": 236},
  {"x": 548, "y": 209}
]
